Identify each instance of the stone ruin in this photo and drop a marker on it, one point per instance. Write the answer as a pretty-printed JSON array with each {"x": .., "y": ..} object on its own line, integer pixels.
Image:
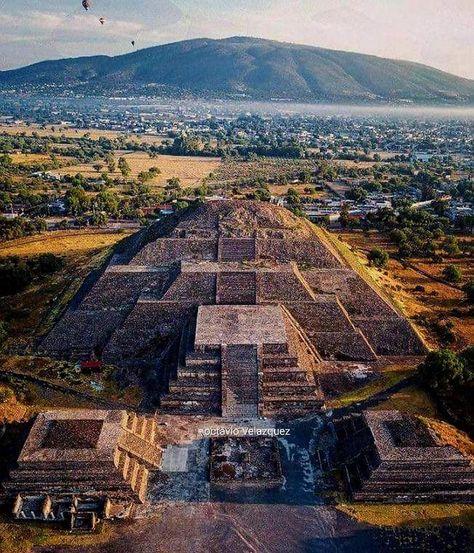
[
  {"x": 391, "y": 457},
  {"x": 245, "y": 461},
  {"x": 80, "y": 466},
  {"x": 146, "y": 312}
]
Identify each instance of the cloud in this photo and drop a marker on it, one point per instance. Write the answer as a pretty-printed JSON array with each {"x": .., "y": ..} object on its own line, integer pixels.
[{"x": 40, "y": 24}]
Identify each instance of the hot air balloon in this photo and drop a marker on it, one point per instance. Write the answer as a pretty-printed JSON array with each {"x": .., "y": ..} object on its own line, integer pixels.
[
  {"x": 133, "y": 43},
  {"x": 102, "y": 20},
  {"x": 86, "y": 4}
]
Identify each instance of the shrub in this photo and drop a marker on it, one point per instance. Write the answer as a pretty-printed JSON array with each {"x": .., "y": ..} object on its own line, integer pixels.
[
  {"x": 6, "y": 394},
  {"x": 452, "y": 273},
  {"x": 15, "y": 276},
  {"x": 378, "y": 257},
  {"x": 451, "y": 246},
  {"x": 398, "y": 236},
  {"x": 468, "y": 289},
  {"x": 3, "y": 332},
  {"x": 49, "y": 263}
]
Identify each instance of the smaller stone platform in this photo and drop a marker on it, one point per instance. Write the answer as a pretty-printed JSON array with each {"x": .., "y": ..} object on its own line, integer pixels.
[
  {"x": 392, "y": 457},
  {"x": 246, "y": 461},
  {"x": 239, "y": 325}
]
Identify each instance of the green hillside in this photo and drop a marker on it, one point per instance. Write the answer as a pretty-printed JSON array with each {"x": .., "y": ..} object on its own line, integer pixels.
[{"x": 253, "y": 68}]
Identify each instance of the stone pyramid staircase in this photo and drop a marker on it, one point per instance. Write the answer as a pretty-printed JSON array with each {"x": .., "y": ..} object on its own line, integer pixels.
[{"x": 239, "y": 381}]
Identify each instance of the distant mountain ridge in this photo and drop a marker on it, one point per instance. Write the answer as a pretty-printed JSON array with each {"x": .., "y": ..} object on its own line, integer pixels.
[{"x": 252, "y": 68}]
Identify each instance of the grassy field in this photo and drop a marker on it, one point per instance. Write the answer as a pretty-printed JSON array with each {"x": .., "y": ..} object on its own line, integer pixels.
[
  {"x": 411, "y": 515},
  {"x": 389, "y": 376},
  {"x": 65, "y": 374},
  {"x": 190, "y": 170},
  {"x": 412, "y": 400},
  {"x": 62, "y": 242}
]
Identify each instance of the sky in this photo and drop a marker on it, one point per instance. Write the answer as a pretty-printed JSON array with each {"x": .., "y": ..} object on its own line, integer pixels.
[{"x": 434, "y": 32}]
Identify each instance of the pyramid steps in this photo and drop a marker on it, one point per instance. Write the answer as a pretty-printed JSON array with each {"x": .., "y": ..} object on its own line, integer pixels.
[
  {"x": 236, "y": 249},
  {"x": 240, "y": 381}
]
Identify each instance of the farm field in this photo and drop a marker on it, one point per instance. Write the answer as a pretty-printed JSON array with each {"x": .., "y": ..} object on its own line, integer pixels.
[
  {"x": 62, "y": 242},
  {"x": 190, "y": 170},
  {"x": 29, "y": 159},
  {"x": 71, "y": 132}
]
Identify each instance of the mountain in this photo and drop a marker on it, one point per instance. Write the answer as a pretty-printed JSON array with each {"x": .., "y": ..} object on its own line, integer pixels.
[{"x": 248, "y": 68}]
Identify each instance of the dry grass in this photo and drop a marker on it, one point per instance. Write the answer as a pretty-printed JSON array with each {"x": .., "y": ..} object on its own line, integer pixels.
[
  {"x": 70, "y": 132},
  {"x": 10, "y": 408},
  {"x": 190, "y": 170},
  {"x": 62, "y": 242},
  {"x": 436, "y": 302},
  {"x": 410, "y": 515},
  {"x": 22, "y": 538},
  {"x": 30, "y": 158},
  {"x": 450, "y": 435},
  {"x": 350, "y": 163}
]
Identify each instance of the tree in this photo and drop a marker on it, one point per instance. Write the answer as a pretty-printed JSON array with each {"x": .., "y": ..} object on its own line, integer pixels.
[
  {"x": 398, "y": 236},
  {"x": 467, "y": 357},
  {"x": 357, "y": 194},
  {"x": 441, "y": 369},
  {"x": 451, "y": 245},
  {"x": 378, "y": 257},
  {"x": 15, "y": 276},
  {"x": 344, "y": 217},
  {"x": 293, "y": 198},
  {"x": 108, "y": 201},
  {"x": 110, "y": 160},
  {"x": 305, "y": 176},
  {"x": 261, "y": 194},
  {"x": 124, "y": 167},
  {"x": 468, "y": 289},
  {"x": 76, "y": 200},
  {"x": 173, "y": 184},
  {"x": 452, "y": 273},
  {"x": 145, "y": 176},
  {"x": 100, "y": 219}
]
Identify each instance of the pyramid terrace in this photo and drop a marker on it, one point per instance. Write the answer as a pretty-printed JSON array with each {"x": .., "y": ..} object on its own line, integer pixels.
[
  {"x": 84, "y": 464},
  {"x": 233, "y": 306},
  {"x": 391, "y": 457}
]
